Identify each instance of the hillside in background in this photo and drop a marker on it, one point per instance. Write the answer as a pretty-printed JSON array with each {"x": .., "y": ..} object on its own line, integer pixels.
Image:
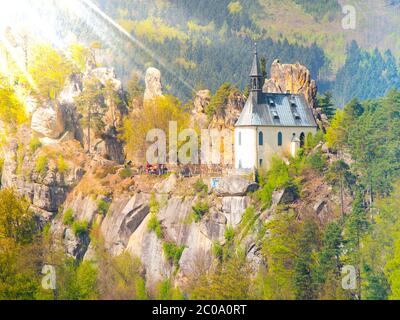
[
  {"x": 208, "y": 42},
  {"x": 203, "y": 44}
]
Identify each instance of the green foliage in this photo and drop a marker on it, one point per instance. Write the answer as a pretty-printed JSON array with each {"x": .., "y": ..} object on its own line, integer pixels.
[
  {"x": 103, "y": 206},
  {"x": 80, "y": 228},
  {"x": 217, "y": 250},
  {"x": 219, "y": 100},
  {"x": 50, "y": 70},
  {"x": 126, "y": 173},
  {"x": 18, "y": 257},
  {"x": 68, "y": 218},
  {"x": 199, "y": 210},
  {"x": 277, "y": 177},
  {"x": 231, "y": 280},
  {"x": 80, "y": 56},
  {"x": 326, "y": 104},
  {"x": 91, "y": 105},
  {"x": 62, "y": 166},
  {"x": 365, "y": 75},
  {"x": 16, "y": 218},
  {"x": 155, "y": 226},
  {"x": 34, "y": 144},
  {"x": 305, "y": 262},
  {"x": 279, "y": 250},
  {"x": 312, "y": 140},
  {"x": 76, "y": 282},
  {"x": 157, "y": 113},
  {"x": 173, "y": 252},
  {"x": 229, "y": 233},
  {"x": 319, "y": 9},
  {"x": 248, "y": 220},
  {"x": 200, "y": 186},
  {"x": 41, "y": 165},
  {"x": 12, "y": 110},
  {"x": 166, "y": 291},
  {"x": 317, "y": 161}
]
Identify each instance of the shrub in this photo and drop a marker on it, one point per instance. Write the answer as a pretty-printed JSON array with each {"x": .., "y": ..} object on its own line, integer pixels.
[
  {"x": 68, "y": 219},
  {"x": 199, "y": 210},
  {"x": 126, "y": 173},
  {"x": 217, "y": 250},
  {"x": 42, "y": 165},
  {"x": 276, "y": 178},
  {"x": 103, "y": 207},
  {"x": 155, "y": 226},
  {"x": 34, "y": 144},
  {"x": 80, "y": 228},
  {"x": 219, "y": 100},
  {"x": 248, "y": 220},
  {"x": 229, "y": 234},
  {"x": 200, "y": 186},
  {"x": 62, "y": 166},
  {"x": 317, "y": 161},
  {"x": 173, "y": 252}
]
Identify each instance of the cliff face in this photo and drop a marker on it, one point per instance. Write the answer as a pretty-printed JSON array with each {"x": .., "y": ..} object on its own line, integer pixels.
[
  {"x": 48, "y": 162},
  {"x": 47, "y": 158}
]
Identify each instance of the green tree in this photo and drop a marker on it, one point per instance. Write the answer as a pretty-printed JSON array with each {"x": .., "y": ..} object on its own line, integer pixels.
[
  {"x": 50, "y": 70},
  {"x": 326, "y": 104},
  {"x": 91, "y": 106},
  {"x": 305, "y": 285}
]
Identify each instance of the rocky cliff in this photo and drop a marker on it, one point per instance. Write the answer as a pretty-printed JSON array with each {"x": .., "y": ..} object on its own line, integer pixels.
[{"x": 75, "y": 190}]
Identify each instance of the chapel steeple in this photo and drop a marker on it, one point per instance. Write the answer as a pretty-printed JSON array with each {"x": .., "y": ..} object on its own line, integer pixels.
[{"x": 255, "y": 73}]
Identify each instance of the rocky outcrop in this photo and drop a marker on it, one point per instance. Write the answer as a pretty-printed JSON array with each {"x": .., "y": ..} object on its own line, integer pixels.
[
  {"x": 153, "y": 84},
  {"x": 235, "y": 186},
  {"x": 124, "y": 217},
  {"x": 292, "y": 78},
  {"x": 201, "y": 101},
  {"x": 296, "y": 79},
  {"x": 227, "y": 116},
  {"x": 49, "y": 121}
]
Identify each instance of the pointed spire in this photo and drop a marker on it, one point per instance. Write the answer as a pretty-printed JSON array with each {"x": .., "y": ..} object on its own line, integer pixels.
[{"x": 255, "y": 68}]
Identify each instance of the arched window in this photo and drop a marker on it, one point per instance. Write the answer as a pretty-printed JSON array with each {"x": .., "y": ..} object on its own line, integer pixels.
[
  {"x": 240, "y": 138},
  {"x": 260, "y": 138},
  {"x": 280, "y": 139},
  {"x": 240, "y": 164},
  {"x": 302, "y": 139}
]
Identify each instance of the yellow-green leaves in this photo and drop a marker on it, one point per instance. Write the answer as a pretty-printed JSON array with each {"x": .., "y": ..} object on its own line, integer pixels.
[{"x": 49, "y": 71}]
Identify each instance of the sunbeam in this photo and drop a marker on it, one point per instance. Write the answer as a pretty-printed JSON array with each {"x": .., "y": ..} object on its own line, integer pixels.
[{"x": 133, "y": 40}]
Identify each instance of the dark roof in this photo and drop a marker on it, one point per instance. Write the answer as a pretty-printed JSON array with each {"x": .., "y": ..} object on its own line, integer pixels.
[
  {"x": 276, "y": 109},
  {"x": 255, "y": 68}
]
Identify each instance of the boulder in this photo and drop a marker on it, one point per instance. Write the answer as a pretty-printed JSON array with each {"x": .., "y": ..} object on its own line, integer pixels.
[
  {"x": 48, "y": 121},
  {"x": 235, "y": 186},
  {"x": 153, "y": 84}
]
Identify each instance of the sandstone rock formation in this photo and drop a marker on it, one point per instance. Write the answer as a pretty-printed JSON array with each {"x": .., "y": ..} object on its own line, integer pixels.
[
  {"x": 48, "y": 121},
  {"x": 229, "y": 114},
  {"x": 199, "y": 118},
  {"x": 235, "y": 186},
  {"x": 292, "y": 78},
  {"x": 153, "y": 84}
]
